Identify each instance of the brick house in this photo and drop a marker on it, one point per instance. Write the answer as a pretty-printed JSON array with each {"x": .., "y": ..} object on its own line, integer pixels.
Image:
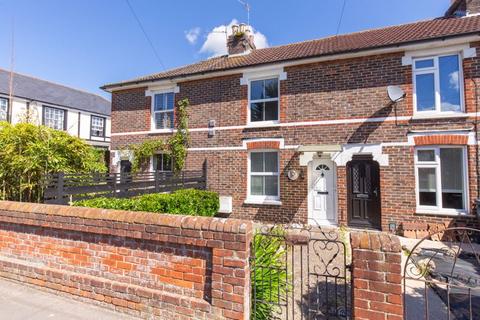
[{"x": 307, "y": 132}]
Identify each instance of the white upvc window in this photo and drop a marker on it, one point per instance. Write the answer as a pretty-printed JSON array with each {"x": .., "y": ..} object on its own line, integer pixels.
[
  {"x": 263, "y": 176},
  {"x": 3, "y": 109},
  {"x": 264, "y": 101},
  {"x": 54, "y": 118},
  {"x": 162, "y": 162},
  {"x": 163, "y": 111},
  {"x": 441, "y": 179},
  {"x": 438, "y": 85},
  {"x": 97, "y": 126}
]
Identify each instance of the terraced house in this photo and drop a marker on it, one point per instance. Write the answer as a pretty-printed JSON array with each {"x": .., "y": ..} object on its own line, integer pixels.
[{"x": 307, "y": 131}]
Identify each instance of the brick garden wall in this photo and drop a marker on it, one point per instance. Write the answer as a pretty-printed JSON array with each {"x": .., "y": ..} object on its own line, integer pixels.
[
  {"x": 377, "y": 276},
  {"x": 174, "y": 267}
]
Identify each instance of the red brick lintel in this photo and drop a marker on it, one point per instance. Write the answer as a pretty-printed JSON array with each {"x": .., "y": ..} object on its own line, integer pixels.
[
  {"x": 444, "y": 139},
  {"x": 263, "y": 145}
]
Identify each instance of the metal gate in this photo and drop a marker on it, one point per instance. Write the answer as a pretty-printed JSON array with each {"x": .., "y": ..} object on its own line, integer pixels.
[
  {"x": 300, "y": 273},
  {"x": 442, "y": 276}
]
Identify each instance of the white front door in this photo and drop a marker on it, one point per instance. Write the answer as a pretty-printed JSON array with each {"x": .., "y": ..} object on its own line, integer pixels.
[{"x": 322, "y": 192}]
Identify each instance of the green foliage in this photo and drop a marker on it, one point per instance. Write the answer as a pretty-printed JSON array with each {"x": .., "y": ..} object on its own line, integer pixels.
[
  {"x": 269, "y": 274},
  {"x": 28, "y": 152},
  {"x": 187, "y": 202},
  {"x": 176, "y": 145}
]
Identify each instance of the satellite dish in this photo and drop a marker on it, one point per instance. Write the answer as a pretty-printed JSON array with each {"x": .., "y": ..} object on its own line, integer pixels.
[{"x": 395, "y": 93}]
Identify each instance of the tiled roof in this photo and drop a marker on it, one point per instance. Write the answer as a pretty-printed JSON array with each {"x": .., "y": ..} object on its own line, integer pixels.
[
  {"x": 445, "y": 27},
  {"x": 48, "y": 92}
]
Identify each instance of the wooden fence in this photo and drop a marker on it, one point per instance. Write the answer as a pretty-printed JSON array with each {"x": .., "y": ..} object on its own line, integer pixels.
[{"x": 61, "y": 188}]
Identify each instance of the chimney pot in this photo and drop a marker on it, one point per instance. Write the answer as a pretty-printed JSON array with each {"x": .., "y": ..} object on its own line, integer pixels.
[{"x": 241, "y": 40}]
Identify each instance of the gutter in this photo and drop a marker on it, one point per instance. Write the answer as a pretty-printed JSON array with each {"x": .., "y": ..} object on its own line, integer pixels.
[{"x": 397, "y": 45}]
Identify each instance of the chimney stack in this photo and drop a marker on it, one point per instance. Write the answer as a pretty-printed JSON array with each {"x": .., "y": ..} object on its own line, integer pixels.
[{"x": 241, "y": 40}]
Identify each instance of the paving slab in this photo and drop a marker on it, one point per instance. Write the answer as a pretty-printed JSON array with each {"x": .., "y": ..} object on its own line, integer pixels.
[{"x": 21, "y": 302}]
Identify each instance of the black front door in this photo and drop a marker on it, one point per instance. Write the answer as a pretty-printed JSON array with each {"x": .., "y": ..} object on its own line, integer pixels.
[{"x": 363, "y": 187}]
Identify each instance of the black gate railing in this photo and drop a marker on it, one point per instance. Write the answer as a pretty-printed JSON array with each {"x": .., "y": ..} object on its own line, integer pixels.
[
  {"x": 300, "y": 273},
  {"x": 61, "y": 188},
  {"x": 442, "y": 277}
]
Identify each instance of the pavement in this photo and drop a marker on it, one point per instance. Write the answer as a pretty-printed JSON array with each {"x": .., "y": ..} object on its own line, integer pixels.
[{"x": 20, "y": 302}]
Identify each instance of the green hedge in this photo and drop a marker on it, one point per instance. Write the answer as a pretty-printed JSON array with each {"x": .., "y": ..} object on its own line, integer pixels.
[{"x": 188, "y": 202}]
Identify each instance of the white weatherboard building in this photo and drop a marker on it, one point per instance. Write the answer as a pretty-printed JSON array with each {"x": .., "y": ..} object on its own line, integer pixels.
[{"x": 81, "y": 114}]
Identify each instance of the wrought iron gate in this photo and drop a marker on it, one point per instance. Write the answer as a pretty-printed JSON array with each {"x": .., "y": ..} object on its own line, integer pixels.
[
  {"x": 300, "y": 273},
  {"x": 442, "y": 276}
]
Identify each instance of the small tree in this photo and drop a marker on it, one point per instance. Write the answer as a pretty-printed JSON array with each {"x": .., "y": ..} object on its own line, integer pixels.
[{"x": 29, "y": 152}]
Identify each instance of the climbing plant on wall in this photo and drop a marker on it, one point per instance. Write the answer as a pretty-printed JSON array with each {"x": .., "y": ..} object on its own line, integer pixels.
[{"x": 176, "y": 146}]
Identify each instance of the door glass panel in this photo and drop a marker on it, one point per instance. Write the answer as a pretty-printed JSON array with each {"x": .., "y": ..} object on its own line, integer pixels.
[
  {"x": 452, "y": 177},
  {"x": 427, "y": 186},
  {"x": 425, "y": 90},
  {"x": 449, "y": 83}
]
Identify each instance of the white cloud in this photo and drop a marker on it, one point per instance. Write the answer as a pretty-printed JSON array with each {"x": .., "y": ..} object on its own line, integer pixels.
[
  {"x": 215, "y": 44},
  {"x": 453, "y": 79},
  {"x": 192, "y": 35}
]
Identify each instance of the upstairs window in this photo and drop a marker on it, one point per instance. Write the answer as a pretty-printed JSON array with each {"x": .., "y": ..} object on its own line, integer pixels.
[
  {"x": 162, "y": 162},
  {"x": 264, "y": 100},
  {"x": 264, "y": 176},
  {"x": 438, "y": 84},
  {"x": 54, "y": 118},
  {"x": 97, "y": 126},
  {"x": 441, "y": 179},
  {"x": 163, "y": 111},
  {"x": 3, "y": 109}
]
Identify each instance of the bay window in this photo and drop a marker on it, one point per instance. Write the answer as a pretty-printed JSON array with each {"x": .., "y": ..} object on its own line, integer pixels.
[
  {"x": 264, "y": 176},
  {"x": 438, "y": 85},
  {"x": 264, "y": 100},
  {"x": 441, "y": 179}
]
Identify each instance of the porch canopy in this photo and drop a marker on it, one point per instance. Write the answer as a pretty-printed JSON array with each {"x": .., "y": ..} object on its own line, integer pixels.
[{"x": 309, "y": 151}]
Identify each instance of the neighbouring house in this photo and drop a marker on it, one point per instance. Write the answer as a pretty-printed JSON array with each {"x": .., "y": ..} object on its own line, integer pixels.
[
  {"x": 82, "y": 114},
  {"x": 307, "y": 132}
]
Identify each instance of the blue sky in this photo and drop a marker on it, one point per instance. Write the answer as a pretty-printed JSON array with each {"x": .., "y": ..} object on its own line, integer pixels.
[{"x": 87, "y": 43}]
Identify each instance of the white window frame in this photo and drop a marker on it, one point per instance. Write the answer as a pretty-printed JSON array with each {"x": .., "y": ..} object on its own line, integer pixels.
[
  {"x": 249, "y": 112},
  {"x": 152, "y": 167},
  {"x": 438, "y": 209},
  {"x": 436, "y": 72},
  {"x": 44, "y": 112},
  {"x": 153, "y": 112},
  {"x": 92, "y": 117},
  {"x": 6, "y": 107},
  {"x": 256, "y": 199}
]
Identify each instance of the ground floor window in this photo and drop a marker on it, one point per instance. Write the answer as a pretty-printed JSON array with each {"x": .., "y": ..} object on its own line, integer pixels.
[
  {"x": 264, "y": 175},
  {"x": 162, "y": 162},
  {"x": 3, "y": 109},
  {"x": 441, "y": 174}
]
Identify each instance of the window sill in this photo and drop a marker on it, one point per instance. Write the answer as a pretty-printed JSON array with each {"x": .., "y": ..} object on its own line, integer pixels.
[
  {"x": 263, "y": 202},
  {"x": 262, "y": 124},
  {"x": 161, "y": 131},
  {"x": 446, "y": 213},
  {"x": 438, "y": 115}
]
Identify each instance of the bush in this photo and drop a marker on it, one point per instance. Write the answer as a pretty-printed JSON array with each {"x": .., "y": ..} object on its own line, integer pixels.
[
  {"x": 269, "y": 274},
  {"x": 28, "y": 152},
  {"x": 188, "y": 202}
]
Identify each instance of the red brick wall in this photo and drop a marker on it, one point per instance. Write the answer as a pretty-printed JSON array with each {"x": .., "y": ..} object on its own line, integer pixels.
[
  {"x": 377, "y": 276},
  {"x": 343, "y": 89},
  {"x": 139, "y": 263}
]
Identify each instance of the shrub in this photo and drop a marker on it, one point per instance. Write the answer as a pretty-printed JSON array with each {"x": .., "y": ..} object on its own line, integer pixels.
[
  {"x": 28, "y": 152},
  {"x": 269, "y": 274},
  {"x": 188, "y": 202}
]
